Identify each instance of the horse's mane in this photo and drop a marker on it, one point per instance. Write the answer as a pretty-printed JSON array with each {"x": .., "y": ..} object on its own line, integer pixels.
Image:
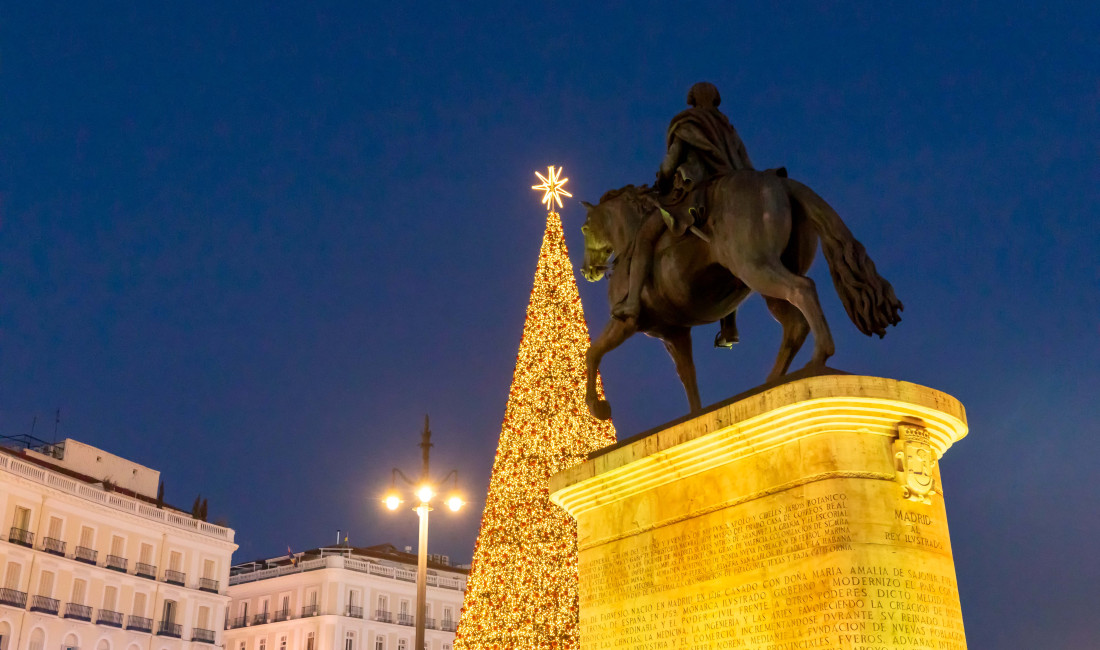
[
  {"x": 641, "y": 199},
  {"x": 630, "y": 190}
]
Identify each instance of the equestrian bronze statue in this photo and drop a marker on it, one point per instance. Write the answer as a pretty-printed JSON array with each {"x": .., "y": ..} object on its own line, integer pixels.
[{"x": 749, "y": 231}]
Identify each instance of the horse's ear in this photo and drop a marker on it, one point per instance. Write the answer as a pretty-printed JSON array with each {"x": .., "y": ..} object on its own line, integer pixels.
[{"x": 587, "y": 205}]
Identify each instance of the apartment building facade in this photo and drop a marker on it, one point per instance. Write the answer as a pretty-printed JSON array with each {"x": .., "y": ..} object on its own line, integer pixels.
[
  {"x": 91, "y": 561},
  {"x": 341, "y": 598}
]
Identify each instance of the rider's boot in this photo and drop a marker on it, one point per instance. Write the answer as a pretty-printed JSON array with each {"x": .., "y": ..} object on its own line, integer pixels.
[
  {"x": 640, "y": 260},
  {"x": 627, "y": 309}
]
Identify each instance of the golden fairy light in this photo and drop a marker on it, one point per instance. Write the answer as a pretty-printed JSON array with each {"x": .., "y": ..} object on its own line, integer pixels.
[
  {"x": 522, "y": 590},
  {"x": 553, "y": 188}
]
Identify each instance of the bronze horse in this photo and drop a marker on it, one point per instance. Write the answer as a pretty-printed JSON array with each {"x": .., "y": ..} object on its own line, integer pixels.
[{"x": 763, "y": 231}]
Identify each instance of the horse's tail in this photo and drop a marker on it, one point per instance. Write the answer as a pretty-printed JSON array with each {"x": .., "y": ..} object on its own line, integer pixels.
[{"x": 867, "y": 296}]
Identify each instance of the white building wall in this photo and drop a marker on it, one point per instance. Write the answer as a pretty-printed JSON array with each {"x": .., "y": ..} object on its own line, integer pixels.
[
  {"x": 333, "y": 579},
  {"x": 61, "y": 508}
]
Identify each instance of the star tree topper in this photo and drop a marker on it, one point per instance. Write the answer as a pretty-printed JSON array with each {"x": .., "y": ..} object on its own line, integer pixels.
[{"x": 552, "y": 187}]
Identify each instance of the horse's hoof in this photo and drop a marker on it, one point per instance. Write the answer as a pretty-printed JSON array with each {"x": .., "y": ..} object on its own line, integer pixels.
[
  {"x": 720, "y": 341},
  {"x": 601, "y": 410},
  {"x": 814, "y": 365}
]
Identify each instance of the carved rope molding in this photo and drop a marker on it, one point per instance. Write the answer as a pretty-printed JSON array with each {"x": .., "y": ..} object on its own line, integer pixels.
[
  {"x": 775, "y": 489},
  {"x": 659, "y": 462}
]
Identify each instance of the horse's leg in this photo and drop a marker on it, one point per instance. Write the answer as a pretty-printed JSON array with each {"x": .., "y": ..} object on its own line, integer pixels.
[
  {"x": 614, "y": 333},
  {"x": 775, "y": 281},
  {"x": 795, "y": 329},
  {"x": 678, "y": 343}
]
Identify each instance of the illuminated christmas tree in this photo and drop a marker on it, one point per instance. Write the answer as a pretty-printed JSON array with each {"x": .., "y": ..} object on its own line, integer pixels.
[{"x": 522, "y": 591}]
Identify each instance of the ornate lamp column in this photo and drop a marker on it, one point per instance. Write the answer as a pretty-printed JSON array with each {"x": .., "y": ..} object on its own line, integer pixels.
[{"x": 424, "y": 490}]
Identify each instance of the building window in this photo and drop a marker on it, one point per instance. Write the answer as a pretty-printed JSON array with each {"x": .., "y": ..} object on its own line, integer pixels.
[
  {"x": 22, "y": 519},
  {"x": 110, "y": 598},
  {"x": 169, "y": 615},
  {"x": 11, "y": 576},
  {"x": 146, "y": 556},
  {"x": 379, "y": 642},
  {"x": 263, "y": 644},
  {"x": 45, "y": 584},
  {"x": 309, "y": 641},
  {"x": 282, "y": 642},
  {"x": 402, "y": 644},
  {"x": 87, "y": 537},
  {"x": 349, "y": 641},
  {"x": 139, "y": 604},
  {"x": 79, "y": 588}
]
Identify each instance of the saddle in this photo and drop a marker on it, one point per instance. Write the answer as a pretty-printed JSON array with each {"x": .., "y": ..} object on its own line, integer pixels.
[{"x": 684, "y": 204}]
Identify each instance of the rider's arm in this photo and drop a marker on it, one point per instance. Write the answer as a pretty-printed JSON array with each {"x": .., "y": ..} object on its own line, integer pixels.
[{"x": 672, "y": 159}]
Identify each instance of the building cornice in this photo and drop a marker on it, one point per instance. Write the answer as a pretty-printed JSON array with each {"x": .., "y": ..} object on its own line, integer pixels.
[{"x": 60, "y": 485}]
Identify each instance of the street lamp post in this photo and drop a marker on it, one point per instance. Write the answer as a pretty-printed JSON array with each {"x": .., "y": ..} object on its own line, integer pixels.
[{"x": 424, "y": 492}]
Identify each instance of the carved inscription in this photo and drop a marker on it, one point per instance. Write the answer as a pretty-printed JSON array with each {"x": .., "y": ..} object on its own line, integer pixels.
[
  {"x": 766, "y": 539},
  {"x": 769, "y": 581}
]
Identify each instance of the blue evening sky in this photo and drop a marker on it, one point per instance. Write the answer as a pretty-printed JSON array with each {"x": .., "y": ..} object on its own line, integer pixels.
[{"x": 251, "y": 245}]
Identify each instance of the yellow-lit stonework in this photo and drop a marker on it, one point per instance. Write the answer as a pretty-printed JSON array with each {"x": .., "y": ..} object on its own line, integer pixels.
[{"x": 808, "y": 515}]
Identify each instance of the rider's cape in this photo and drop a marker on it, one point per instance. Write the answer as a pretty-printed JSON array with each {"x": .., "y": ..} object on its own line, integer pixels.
[{"x": 711, "y": 135}]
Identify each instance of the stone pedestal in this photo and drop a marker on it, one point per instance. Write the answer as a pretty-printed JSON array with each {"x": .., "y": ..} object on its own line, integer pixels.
[{"x": 808, "y": 515}]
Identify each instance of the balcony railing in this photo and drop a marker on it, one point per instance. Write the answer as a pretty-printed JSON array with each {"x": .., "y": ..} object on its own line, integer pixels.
[
  {"x": 429, "y": 623},
  {"x": 145, "y": 570},
  {"x": 201, "y": 635},
  {"x": 352, "y": 564},
  {"x": 85, "y": 554},
  {"x": 113, "y": 500},
  {"x": 139, "y": 623},
  {"x": 355, "y": 612},
  {"x": 207, "y": 584},
  {"x": 282, "y": 615},
  {"x": 259, "y": 619},
  {"x": 174, "y": 630},
  {"x": 21, "y": 537},
  {"x": 175, "y": 577},
  {"x": 13, "y": 597},
  {"x": 45, "y": 605},
  {"x": 54, "y": 546},
  {"x": 449, "y": 625},
  {"x": 310, "y": 610},
  {"x": 383, "y": 616},
  {"x": 79, "y": 612},
  {"x": 117, "y": 563},
  {"x": 240, "y": 621},
  {"x": 405, "y": 619},
  {"x": 107, "y": 617}
]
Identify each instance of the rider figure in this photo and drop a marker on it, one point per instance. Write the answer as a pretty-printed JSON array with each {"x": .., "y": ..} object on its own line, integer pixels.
[{"x": 701, "y": 144}]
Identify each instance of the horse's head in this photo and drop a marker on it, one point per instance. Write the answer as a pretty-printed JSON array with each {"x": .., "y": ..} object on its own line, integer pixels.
[
  {"x": 611, "y": 226},
  {"x": 597, "y": 243}
]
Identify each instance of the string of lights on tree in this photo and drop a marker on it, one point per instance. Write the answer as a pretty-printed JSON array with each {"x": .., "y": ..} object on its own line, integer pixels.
[{"x": 522, "y": 590}]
